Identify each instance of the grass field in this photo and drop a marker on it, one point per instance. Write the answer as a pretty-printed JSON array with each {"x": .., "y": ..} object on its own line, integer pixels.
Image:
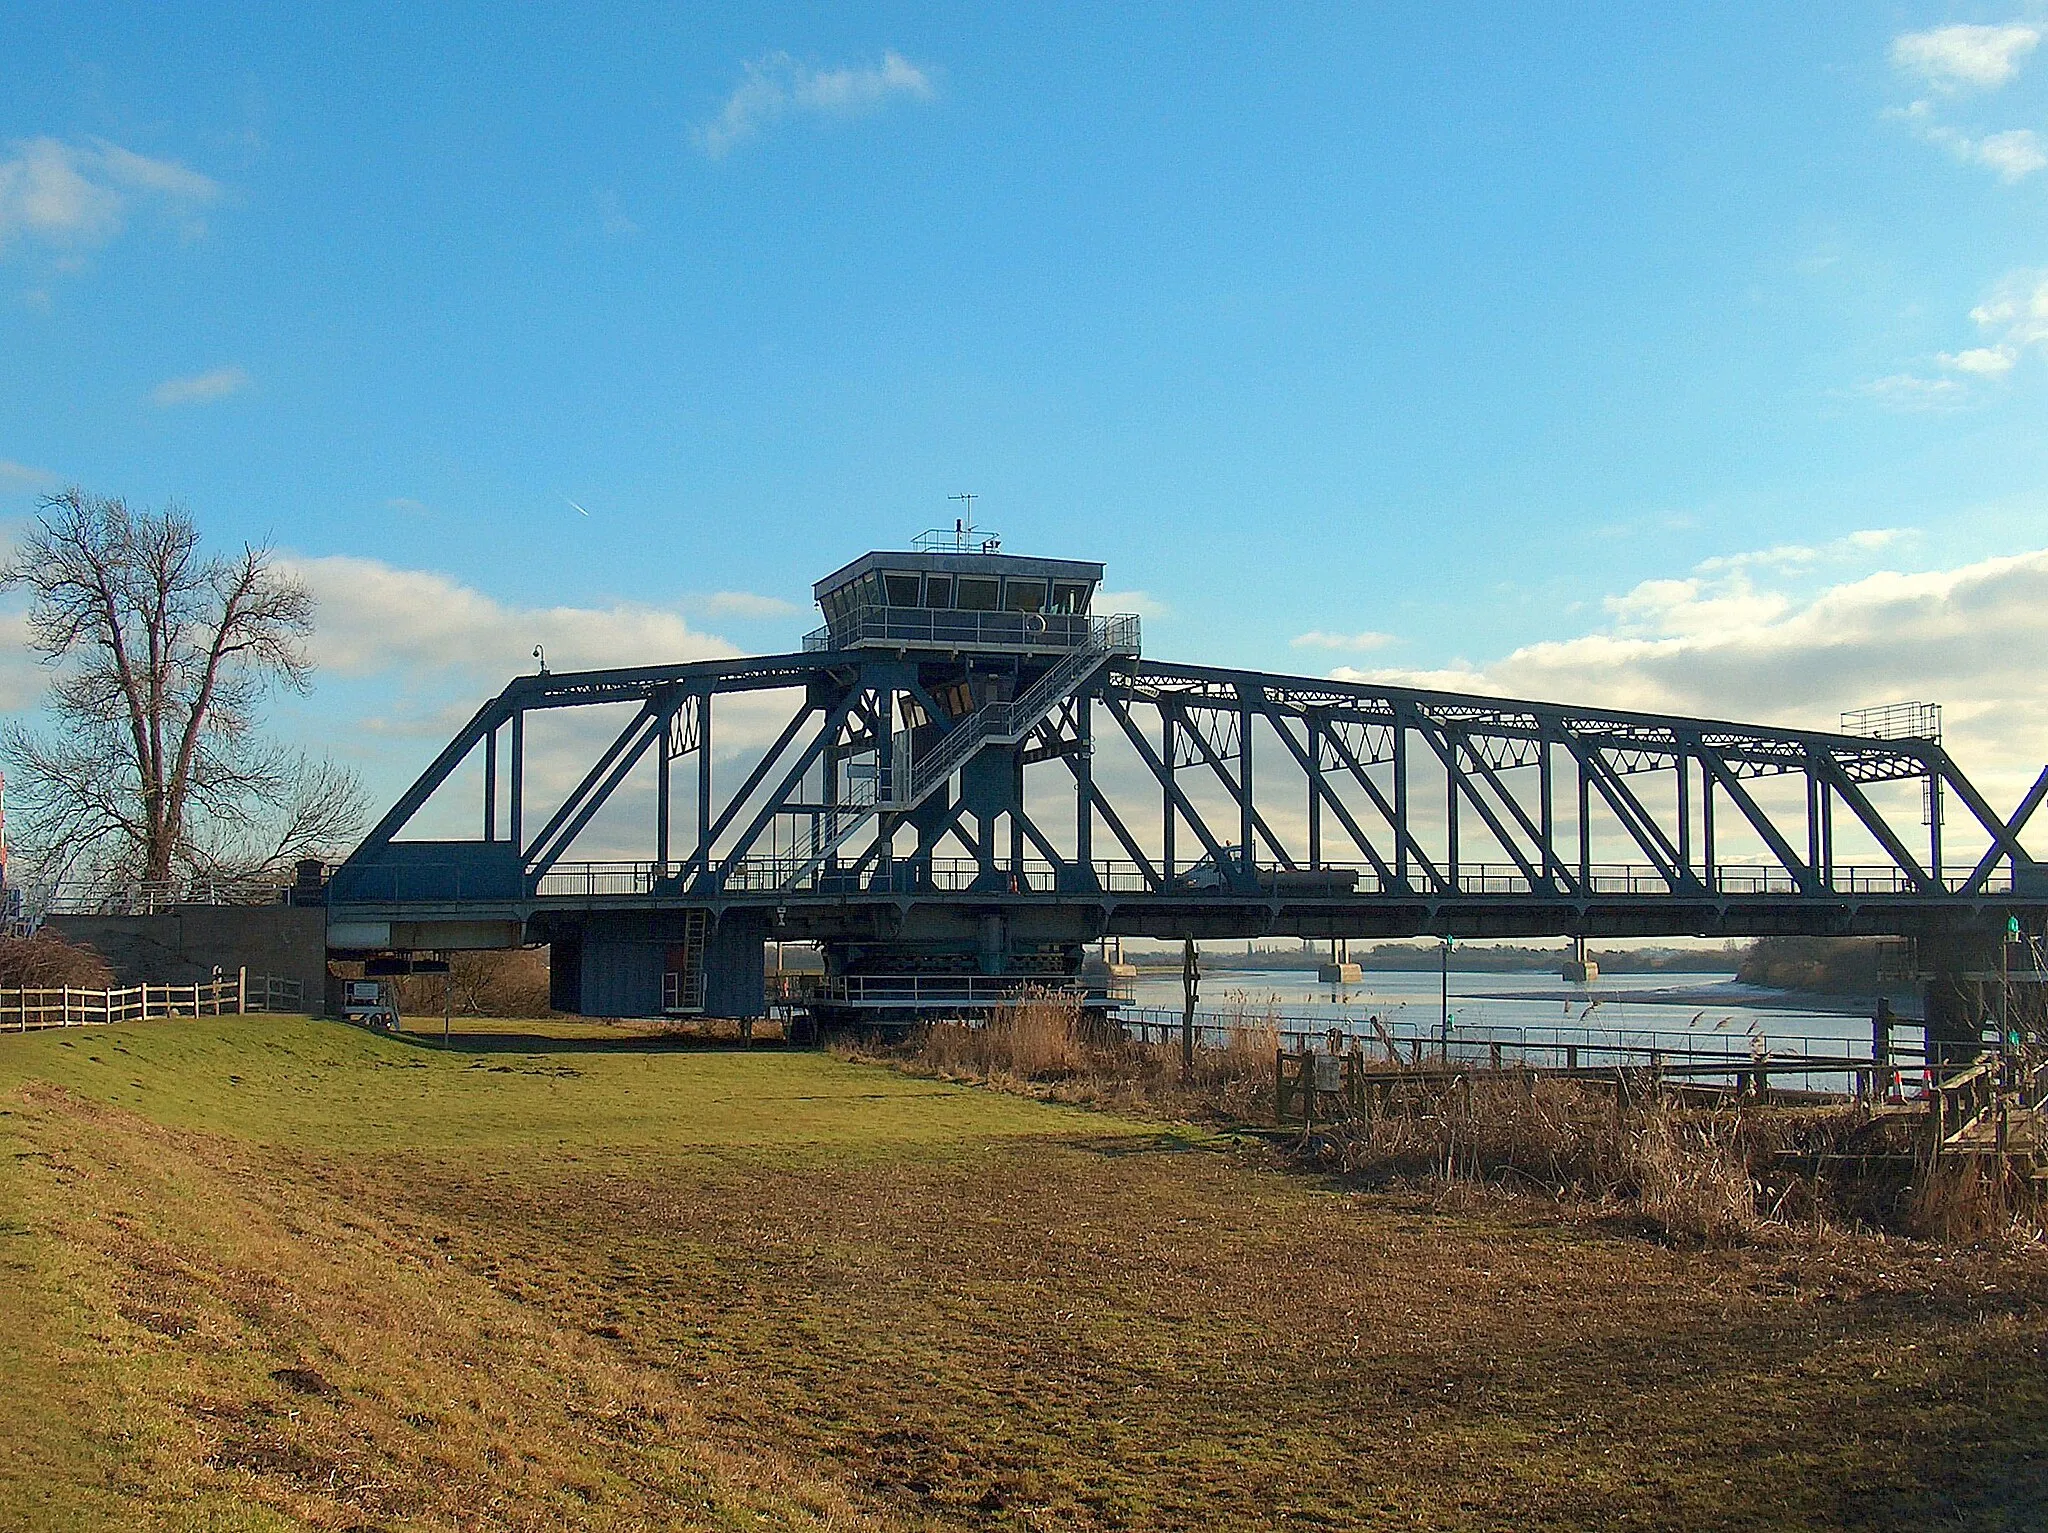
[{"x": 267, "y": 1273}]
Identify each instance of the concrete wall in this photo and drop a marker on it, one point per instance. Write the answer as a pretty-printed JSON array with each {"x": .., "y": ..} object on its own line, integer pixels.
[
  {"x": 188, "y": 942},
  {"x": 612, "y": 967},
  {"x": 733, "y": 962}
]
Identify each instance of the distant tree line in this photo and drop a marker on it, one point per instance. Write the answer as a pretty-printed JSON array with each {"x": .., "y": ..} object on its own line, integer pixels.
[{"x": 1828, "y": 965}]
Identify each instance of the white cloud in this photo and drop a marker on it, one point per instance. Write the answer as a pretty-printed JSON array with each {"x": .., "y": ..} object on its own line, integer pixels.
[
  {"x": 2012, "y": 319},
  {"x": 1793, "y": 557},
  {"x": 1722, "y": 648},
  {"x": 1317, "y": 639},
  {"x": 1956, "y": 57},
  {"x": 1984, "y": 361},
  {"x": 2015, "y": 154},
  {"x": 78, "y": 195},
  {"x": 22, "y": 679},
  {"x": 199, "y": 388},
  {"x": 406, "y": 655},
  {"x": 408, "y": 505},
  {"x": 1907, "y": 391},
  {"x": 12, "y": 473},
  {"x": 2017, "y": 309},
  {"x": 778, "y": 86},
  {"x": 744, "y": 604},
  {"x": 1139, "y": 604},
  {"x": 376, "y": 618}
]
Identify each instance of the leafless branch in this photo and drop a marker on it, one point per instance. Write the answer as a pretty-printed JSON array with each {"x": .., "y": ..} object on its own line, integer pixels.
[{"x": 162, "y": 658}]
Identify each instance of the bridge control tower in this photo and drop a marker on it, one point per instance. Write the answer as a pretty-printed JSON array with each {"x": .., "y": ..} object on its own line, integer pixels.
[{"x": 992, "y": 648}]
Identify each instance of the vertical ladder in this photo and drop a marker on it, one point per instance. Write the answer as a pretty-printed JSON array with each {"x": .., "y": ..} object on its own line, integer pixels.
[{"x": 682, "y": 989}]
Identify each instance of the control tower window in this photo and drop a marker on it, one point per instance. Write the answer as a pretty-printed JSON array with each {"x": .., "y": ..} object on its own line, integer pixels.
[
  {"x": 1024, "y": 595},
  {"x": 1071, "y": 599},
  {"x": 976, "y": 594},
  {"x": 902, "y": 590},
  {"x": 938, "y": 590}
]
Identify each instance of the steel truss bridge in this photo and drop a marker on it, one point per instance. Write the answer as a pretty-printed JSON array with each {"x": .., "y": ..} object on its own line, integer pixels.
[{"x": 937, "y": 811}]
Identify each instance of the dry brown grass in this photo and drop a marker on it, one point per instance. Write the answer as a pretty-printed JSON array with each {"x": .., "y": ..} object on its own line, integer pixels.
[
  {"x": 1975, "y": 1199},
  {"x": 1691, "y": 1174},
  {"x": 1037, "y": 1037},
  {"x": 1045, "y": 1046},
  {"x": 46, "y": 959},
  {"x": 1710, "y": 1173}
]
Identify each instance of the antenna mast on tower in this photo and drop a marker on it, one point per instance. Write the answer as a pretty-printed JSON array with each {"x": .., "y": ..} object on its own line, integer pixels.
[{"x": 963, "y": 527}]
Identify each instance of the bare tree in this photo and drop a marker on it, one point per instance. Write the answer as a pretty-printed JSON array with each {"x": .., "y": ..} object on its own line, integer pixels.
[{"x": 163, "y": 656}]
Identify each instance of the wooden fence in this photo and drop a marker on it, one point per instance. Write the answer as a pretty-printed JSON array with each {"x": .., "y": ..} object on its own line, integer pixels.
[{"x": 28, "y": 1010}]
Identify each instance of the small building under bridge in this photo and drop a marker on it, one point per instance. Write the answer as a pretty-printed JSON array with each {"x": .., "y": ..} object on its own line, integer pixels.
[{"x": 969, "y": 773}]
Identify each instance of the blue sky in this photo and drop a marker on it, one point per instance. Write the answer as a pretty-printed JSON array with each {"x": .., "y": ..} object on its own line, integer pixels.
[{"x": 1587, "y": 348}]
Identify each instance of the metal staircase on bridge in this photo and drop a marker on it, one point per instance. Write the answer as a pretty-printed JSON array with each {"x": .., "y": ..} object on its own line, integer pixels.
[{"x": 995, "y": 723}]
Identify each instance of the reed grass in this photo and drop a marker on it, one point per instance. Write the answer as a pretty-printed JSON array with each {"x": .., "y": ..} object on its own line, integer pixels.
[
  {"x": 1045, "y": 1045},
  {"x": 1711, "y": 1172},
  {"x": 1975, "y": 1199}
]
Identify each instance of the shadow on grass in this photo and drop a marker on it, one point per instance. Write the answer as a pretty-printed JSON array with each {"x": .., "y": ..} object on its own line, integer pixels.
[
  {"x": 515, "y": 1042},
  {"x": 1166, "y": 1142}
]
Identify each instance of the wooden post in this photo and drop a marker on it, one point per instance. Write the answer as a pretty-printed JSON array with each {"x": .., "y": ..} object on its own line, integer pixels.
[
  {"x": 1279, "y": 1087},
  {"x": 242, "y": 990},
  {"x": 1190, "y": 980}
]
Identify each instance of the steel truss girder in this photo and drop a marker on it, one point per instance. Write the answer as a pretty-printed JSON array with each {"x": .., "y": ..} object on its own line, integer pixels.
[
  {"x": 1633, "y": 741},
  {"x": 1334, "y": 732}
]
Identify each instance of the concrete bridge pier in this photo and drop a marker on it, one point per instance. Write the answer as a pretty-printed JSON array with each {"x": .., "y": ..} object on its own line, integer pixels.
[{"x": 1958, "y": 991}]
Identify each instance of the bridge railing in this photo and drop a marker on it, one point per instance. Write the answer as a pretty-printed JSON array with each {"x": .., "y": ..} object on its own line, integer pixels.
[
  {"x": 147, "y": 897},
  {"x": 953, "y": 875},
  {"x": 970, "y": 991},
  {"x": 589, "y": 880}
]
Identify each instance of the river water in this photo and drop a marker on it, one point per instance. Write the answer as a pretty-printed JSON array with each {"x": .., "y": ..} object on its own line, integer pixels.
[{"x": 1533, "y": 1013}]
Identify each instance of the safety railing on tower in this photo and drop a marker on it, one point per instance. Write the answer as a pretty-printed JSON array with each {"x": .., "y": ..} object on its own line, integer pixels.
[{"x": 1029, "y": 632}]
